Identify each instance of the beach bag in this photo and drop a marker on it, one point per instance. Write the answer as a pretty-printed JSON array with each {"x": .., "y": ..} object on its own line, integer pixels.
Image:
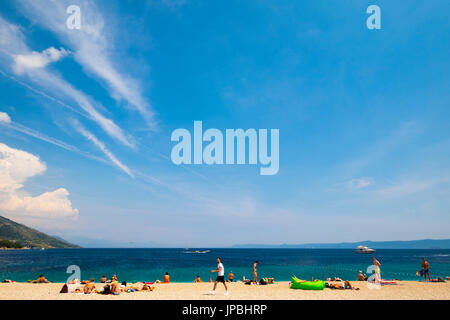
[
  {"x": 64, "y": 289},
  {"x": 69, "y": 287},
  {"x": 107, "y": 289},
  {"x": 262, "y": 281}
]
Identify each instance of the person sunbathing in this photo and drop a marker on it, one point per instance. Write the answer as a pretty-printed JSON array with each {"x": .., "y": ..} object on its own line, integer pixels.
[
  {"x": 166, "y": 278},
  {"x": 41, "y": 279},
  {"x": 361, "y": 276},
  {"x": 197, "y": 279},
  {"x": 334, "y": 279},
  {"x": 90, "y": 288},
  {"x": 340, "y": 286},
  {"x": 438, "y": 279},
  {"x": 230, "y": 276},
  {"x": 140, "y": 286},
  {"x": 146, "y": 287},
  {"x": 87, "y": 281},
  {"x": 115, "y": 287},
  {"x": 8, "y": 281}
]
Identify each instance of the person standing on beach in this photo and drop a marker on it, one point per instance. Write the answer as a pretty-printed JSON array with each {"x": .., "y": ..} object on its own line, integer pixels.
[
  {"x": 377, "y": 273},
  {"x": 220, "y": 277},
  {"x": 255, "y": 273},
  {"x": 425, "y": 270}
]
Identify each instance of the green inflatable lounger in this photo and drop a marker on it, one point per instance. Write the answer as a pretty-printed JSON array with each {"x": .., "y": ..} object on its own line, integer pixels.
[{"x": 307, "y": 285}]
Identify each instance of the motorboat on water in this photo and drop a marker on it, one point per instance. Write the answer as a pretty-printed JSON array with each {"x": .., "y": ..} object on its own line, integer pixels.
[
  {"x": 364, "y": 249},
  {"x": 198, "y": 251}
]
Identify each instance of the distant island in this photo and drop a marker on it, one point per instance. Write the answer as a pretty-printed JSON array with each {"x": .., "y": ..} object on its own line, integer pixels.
[
  {"x": 14, "y": 235},
  {"x": 412, "y": 244}
]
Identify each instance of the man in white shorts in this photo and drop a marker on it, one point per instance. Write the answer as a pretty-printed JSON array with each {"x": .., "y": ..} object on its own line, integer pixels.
[{"x": 220, "y": 277}]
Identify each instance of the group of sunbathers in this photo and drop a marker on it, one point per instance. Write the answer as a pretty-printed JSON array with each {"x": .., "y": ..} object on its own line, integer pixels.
[{"x": 111, "y": 286}]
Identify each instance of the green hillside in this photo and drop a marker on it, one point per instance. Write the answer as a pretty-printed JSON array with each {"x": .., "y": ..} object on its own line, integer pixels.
[{"x": 28, "y": 237}]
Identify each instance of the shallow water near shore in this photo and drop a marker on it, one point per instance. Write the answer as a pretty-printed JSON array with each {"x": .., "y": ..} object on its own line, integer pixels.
[{"x": 150, "y": 264}]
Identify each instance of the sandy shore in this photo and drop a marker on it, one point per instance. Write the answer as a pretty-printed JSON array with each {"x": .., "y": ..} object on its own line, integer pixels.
[{"x": 238, "y": 291}]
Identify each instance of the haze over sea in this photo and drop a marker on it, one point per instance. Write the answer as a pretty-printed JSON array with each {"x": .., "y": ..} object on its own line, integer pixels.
[{"x": 150, "y": 264}]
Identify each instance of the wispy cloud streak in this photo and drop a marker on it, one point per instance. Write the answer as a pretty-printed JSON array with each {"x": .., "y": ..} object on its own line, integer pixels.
[
  {"x": 13, "y": 45},
  {"x": 91, "y": 45},
  {"x": 99, "y": 144}
]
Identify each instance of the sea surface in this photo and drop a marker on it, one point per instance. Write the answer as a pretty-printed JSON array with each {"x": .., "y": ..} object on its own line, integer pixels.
[{"x": 183, "y": 265}]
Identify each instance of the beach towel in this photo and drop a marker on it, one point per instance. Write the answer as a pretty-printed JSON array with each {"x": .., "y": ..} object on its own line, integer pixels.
[{"x": 386, "y": 282}]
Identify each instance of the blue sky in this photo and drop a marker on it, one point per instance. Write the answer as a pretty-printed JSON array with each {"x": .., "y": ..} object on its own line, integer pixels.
[{"x": 86, "y": 119}]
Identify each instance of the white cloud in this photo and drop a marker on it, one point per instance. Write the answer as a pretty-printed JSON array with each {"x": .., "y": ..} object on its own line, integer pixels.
[
  {"x": 37, "y": 60},
  {"x": 4, "y": 118},
  {"x": 360, "y": 183},
  {"x": 92, "y": 45},
  {"x": 16, "y": 167}
]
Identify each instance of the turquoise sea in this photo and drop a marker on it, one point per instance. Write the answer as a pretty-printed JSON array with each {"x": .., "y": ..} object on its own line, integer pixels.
[{"x": 151, "y": 264}]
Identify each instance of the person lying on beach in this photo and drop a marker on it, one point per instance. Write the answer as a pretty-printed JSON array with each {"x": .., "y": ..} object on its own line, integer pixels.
[
  {"x": 103, "y": 279},
  {"x": 438, "y": 279},
  {"x": 340, "y": 286},
  {"x": 139, "y": 286},
  {"x": 8, "y": 281},
  {"x": 87, "y": 281},
  {"x": 166, "y": 278},
  {"x": 198, "y": 280},
  {"x": 361, "y": 276},
  {"x": 41, "y": 279},
  {"x": 269, "y": 280},
  {"x": 334, "y": 279},
  {"x": 90, "y": 288}
]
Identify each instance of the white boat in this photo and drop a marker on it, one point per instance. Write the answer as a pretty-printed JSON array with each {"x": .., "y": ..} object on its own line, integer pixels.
[{"x": 364, "y": 249}]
